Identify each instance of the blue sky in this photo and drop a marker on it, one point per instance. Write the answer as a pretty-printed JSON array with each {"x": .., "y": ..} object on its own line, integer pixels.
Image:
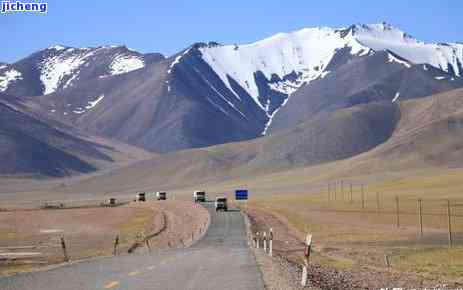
[{"x": 168, "y": 26}]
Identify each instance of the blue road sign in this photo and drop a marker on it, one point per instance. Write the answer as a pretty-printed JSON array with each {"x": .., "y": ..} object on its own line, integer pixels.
[{"x": 241, "y": 194}]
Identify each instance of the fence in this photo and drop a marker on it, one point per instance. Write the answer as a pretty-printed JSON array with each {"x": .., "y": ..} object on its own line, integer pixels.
[
  {"x": 62, "y": 231},
  {"x": 440, "y": 218}
]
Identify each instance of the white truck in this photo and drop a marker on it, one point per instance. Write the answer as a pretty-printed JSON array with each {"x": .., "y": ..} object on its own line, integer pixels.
[{"x": 199, "y": 196}]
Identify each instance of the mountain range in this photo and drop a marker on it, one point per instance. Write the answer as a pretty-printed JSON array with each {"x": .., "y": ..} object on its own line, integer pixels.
[{"x": 305, "y": 97}]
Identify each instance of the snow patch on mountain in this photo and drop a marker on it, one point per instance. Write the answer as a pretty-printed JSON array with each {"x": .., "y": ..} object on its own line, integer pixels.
[
  {"x": 55, "y": 69},
  {"x": 57, "y": 47},
  {"x": 177, "y": 60},
  {"x": 124, "y": 63},
  {"x": 393, "y": 58},
  {"x": 92, "y": 104},
  {"x": 8, "y": 77},
  {"x": 386, "y": 37},
  {"x": 270, "y": 119},
  {"x": 79, "y": 110},
  {"x": 306, "y": 52}
]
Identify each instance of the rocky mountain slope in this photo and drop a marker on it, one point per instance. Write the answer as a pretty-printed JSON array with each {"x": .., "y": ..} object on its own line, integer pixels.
[{"x": 209, "y": 94}]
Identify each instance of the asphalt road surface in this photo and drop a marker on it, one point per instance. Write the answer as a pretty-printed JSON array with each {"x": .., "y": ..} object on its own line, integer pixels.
[{"x": 220, "y": 260}]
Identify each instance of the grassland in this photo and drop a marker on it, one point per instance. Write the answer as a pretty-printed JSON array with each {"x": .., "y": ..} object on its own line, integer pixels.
[
  {"x": 88, "y": 232},
  {"x": 349, "y": 236}
]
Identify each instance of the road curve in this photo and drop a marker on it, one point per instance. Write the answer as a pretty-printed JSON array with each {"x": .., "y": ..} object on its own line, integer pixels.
[{"x": 220, "y": 260}]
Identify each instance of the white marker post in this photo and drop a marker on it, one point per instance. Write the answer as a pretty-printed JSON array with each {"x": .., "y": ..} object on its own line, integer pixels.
[
  {"x": 264, "y": 238},
  {"x": 305, "y": 269},
  {"x": 257, "y": 240},
  {"x": 270, "y": 243}
]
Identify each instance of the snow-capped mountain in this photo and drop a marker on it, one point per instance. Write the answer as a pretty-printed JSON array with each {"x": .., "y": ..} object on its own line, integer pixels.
[
  {"x": 305, "y": 53},
  {"x": 445, "y": 56},
  {"x": 210, "y": 93},
  {"x": 270, "y": 70},
  {"x": 59, "y": 67}
]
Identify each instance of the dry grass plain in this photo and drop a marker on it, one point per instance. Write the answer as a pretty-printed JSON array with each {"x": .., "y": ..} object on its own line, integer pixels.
[
  {"x": 348, "y": 237},
  {"x": 32, "y": 237}
]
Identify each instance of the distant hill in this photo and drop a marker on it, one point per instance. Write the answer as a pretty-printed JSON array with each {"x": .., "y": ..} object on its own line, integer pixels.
[
  {"x": 414, "y": 134},
  {"x": 33, "y": 147}
]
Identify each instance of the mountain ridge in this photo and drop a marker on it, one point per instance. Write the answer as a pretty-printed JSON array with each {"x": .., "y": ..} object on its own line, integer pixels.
[{"x": 209, "y": 94}]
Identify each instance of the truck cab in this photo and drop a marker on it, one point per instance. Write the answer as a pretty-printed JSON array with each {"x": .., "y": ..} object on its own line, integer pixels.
[
  {"x": 221, "y": 204},
  {"x": 161, "y": 195},
  {"x": 199, "y": 196}
]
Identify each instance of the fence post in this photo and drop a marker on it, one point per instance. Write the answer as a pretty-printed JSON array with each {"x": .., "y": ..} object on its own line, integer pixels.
[
  {"x": 116, "y": 244},
  {"x": 378, "y": 206},
  {"x": 420, "y": 216},
  {"x": 329, "y": 192},
  {"x": 397, "y": 211},
  {"x": 351, "y": 194},
  {"x": 342, "y": 190},
  {"x": 449, "y": 223},
  {"x": 65, "y": 252},
  {"x": 270, "y": 243},
  {"x": 363, "y": 198},
  {"x": 305, "y": 269}
]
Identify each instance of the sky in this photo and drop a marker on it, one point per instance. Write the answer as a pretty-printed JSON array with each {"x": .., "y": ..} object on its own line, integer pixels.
[{"x": 169, "y": 26}]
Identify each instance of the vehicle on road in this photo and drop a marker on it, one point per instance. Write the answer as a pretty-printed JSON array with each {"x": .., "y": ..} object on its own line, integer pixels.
[
  {"x": 221, "y": 204},
  {"x": 141, "y": 196},
  {"x": 199, "y": 196},
  {"x": 161, "y": 195}
]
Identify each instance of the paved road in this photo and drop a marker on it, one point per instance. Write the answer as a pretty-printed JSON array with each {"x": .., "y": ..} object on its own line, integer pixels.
[{"x": 221, "y": 260}]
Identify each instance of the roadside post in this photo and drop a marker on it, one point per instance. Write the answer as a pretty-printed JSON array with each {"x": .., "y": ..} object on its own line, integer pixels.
[
  {"x": 116, "y": 244},
  {"x": 387, "y": 261},
  {"x": 305, "y": 269},
  {"x": 147, "y": 242},
  {"x": 65, "y": 252},
  {"x": 264, "y": 238},
  {"x": 257, "y": 240},
  {"x": 270, "y": 242}
]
